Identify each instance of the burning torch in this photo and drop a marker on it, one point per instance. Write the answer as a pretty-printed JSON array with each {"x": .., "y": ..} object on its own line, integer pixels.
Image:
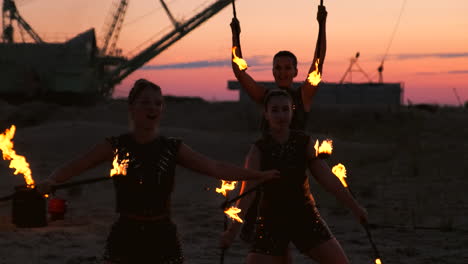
[
  {"x": 324, "y": 149},
  {"x": 315, "y": 77},
  {"x": 238, "y": 60},
  {"x": 232, "y": 212},
  {"x": 340, "y": 172}
]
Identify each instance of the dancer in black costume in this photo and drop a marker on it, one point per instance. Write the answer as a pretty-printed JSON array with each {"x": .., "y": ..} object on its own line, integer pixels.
[
  {"x": 287, "y": 211},
  {"x": 284, "y": 71},
  {"x": 144, "y": 231}
]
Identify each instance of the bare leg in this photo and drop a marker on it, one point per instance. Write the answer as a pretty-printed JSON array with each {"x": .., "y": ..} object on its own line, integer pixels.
[{"x": 329, "y": 252}]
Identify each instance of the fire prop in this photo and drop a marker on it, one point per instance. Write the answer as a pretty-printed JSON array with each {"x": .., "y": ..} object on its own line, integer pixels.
[
  {"x": 340, "y": 172},
  {"x": 225, "y": 187},
  {"x": 324, "y": 150},
  {"x": 17, "y": 162},
  {"x": 315, "y": 77},
  {"x": 231, "y": 212},
  {"x": 119, "y": 168},
  {"x": 241, "y": 63}
]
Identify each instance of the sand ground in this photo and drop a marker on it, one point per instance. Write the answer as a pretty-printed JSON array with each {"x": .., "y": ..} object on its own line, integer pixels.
[{"x": 408, "y": 167}]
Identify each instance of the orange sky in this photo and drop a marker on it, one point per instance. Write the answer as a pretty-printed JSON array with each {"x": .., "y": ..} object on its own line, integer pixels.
[{"x": 428, "y": 53}]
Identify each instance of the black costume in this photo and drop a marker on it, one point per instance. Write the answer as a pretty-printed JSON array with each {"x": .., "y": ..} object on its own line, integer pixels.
[
  {"x": 287, "y": 211},
  {"x": 298, "y": 122},
  {"x": 144, "y": 232}
]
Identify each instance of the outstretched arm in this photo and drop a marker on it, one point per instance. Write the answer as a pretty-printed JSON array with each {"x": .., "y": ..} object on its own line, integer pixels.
[
  {"x": 252, "y": 162},
  {"x": 253, "y": 89},
  {"x": 99, "y": 153},
  {"x": 325, "y": 177},
  {"x": 219, "y": 169},
  {"x": 308, "y": 90}
]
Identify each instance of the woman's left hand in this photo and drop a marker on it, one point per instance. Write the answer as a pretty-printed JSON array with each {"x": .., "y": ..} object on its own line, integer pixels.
[{"x": 361, "y": 214}]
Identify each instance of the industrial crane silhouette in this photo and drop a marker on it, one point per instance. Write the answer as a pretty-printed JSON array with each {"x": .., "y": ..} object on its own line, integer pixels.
[
  {"x": 179, "y": 31},
  {"x": 80, "y": 65},
  {"x": 112, "y": 28},
  {"x": 9, "y": 15}
]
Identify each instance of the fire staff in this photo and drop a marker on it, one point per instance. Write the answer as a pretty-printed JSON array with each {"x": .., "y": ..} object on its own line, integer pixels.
[
  {"x": 144, "y": 231},
  {"x": 287, "y": 211}
]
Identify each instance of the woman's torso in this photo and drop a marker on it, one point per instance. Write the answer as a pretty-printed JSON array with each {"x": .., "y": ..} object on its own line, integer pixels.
[{"x": 146, "y": 188}]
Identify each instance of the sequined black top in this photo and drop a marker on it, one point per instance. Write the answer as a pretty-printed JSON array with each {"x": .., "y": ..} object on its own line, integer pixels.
[
  {"x": 299, "y": 118},
  {"x": 291, "y": 191},
  {"x": 147, "y": 186}
]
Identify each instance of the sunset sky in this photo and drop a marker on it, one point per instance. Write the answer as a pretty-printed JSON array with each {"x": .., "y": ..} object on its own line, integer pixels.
[{"x": 428, "y": 53}]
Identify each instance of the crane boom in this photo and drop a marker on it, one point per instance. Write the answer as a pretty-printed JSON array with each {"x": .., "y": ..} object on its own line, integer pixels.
[
  {"x": 156, "y": 48},
  {"x": 113, "y": 28}
]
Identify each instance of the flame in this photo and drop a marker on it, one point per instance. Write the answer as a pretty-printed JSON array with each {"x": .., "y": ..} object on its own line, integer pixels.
[
  {"x": 377, "y": 261},
  {"x": 340, "y": 172},
  {"x": 17, "y": 162},
  {"x": 241, "y": 63},
  {"x": 325, "y": 148},
  {"x": 314, "y": 77},
  {"x": 232, "y": 213},
  {"x": 226, "y": 186},
  {"x": 119, "y": 168}
]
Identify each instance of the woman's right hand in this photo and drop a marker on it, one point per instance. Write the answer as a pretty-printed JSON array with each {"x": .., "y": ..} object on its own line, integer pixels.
[
  {"x": 361, "y": 215},
  {"x": 269, "y": 175},
  {"x": 235, "y": 27},
  {"x": 46, "y": 186},
  {"x": 227, "y": 238},
  {"x": 321, "y": 14}
]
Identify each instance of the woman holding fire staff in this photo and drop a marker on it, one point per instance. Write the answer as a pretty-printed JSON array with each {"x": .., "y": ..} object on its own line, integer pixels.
[
  {"x": 287, "y": 211},
  {"x": 284, "y": 71},
  {"x": 144, "y": 231}
]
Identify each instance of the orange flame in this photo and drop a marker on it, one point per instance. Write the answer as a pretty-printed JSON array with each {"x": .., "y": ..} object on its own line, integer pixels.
[
  {"x": 377, "y": 261},
  {"x": 241, "y": 63},
  {"x": 325, "y": 148},
  {"x": 232, "y": 213},
  {"x": 17, "y": 162},
  {"x": 340, "y": 172},
  {"x": 119, "y": 168},
  {"x": 226, "y": 186},
  {"x": 314, "y": 77}
]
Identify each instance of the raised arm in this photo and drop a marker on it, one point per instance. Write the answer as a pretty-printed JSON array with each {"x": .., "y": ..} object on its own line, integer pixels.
[
  {"x": 253, "y": 89},
  {"x": 252, "y": 162},
  {"x": 99, "y": 153},
  {"x": 325, "y": 177},
  {"x": 197, "y": 162},
  {"x": 308, "y": 90}
]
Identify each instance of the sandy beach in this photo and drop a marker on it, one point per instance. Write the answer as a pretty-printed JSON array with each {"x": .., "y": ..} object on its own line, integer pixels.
[{"x": 407, "y": 166}]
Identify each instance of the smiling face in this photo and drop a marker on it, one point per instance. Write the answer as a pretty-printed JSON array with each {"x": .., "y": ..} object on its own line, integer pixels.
[
  {"x": 284, "y": 71},
  {"x": 146, "y": 108},
  {"x": 278, "y": 111}
]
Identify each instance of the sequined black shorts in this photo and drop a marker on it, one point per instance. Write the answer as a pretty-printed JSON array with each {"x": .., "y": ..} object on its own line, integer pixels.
[
  {"x": 133, "y": 241},
  {"x": 305, "y": 230}
]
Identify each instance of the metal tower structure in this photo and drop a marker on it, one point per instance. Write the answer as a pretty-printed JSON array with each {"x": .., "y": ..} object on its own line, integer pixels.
[
  {"x": 113, "y": 26},
  {"x": 10, "y": 13},
  {"x": 351, "y": 69}
]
